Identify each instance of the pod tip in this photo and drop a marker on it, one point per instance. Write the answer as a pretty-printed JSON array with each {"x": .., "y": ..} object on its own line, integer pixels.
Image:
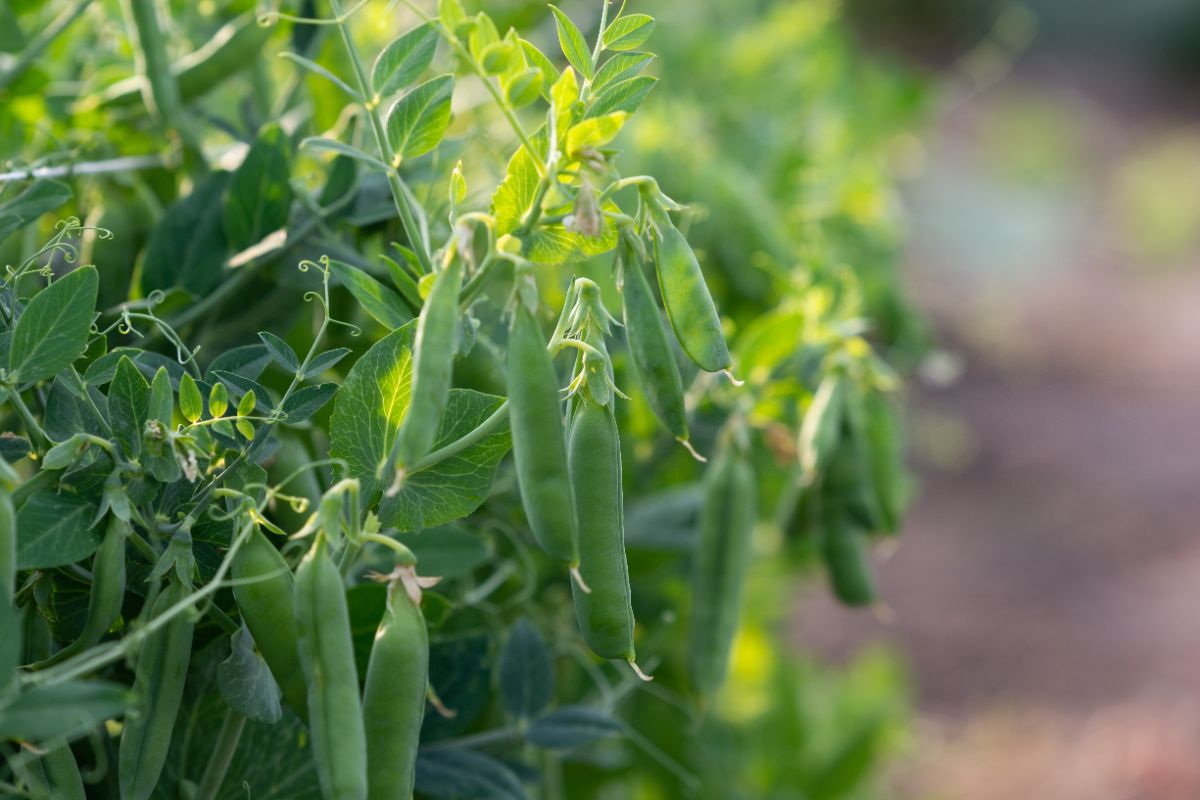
[
  {"x": 577, "y": 576},
  {"x": 638, "y": 671},
  {"x": 728, "y": 373},
  {"x": 688, "y": 444}
]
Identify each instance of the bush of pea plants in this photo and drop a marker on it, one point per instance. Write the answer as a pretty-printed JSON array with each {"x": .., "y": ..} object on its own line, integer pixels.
[{"x": 370, "y": 429}]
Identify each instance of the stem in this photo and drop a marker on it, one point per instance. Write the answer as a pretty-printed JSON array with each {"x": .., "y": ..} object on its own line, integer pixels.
[
  {"x": 222, "y": 755},
  {"x": 37, "y": 46},
  {"x": 475, "y": 286},
  {"x": 31, "y": 424},
  {"x": 400, "y": 193},
  {"x": 498, "y": 736},
  {"x": 484, "y": 429}
]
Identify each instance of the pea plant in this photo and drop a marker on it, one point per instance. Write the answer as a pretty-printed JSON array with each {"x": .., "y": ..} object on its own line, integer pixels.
[{"x": 260, "y": 533}]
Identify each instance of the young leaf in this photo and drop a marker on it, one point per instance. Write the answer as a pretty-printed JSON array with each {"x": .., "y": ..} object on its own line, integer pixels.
[
  {"x": 53, "y": 330},
  {"x": 218, "y": 400},
  {"x": 259, "y": 197},
  {"x": 539, "y": 59},
  {"x": 629, "y": 32},
  {"x": 523, "y": 87},
  {"x": 483, "y": 35},
  {"x": 162, "y": 398},
  {"x": 571, "y": 727},
  {"x": 403, "y": 61},
  {"x": 595, "y": 132},
  {"x": 418, "y": 120},
  {"x": 573, "y": 45},
  {"x": 280, "y": 351},
  {"x": 41, "y": 197},
  {"x": 625, "y": 96},
  {"x": 403, "y": 281},
  {"x": 451, "y": 14},
  {"x": 128, "y": 406},
  {"x": 55, "y": 529},
  {"x": 384, "y": 305},
  {"x": 619, "y": 67},
  {"x": 325, "y": 361},
  {"x": 526, "y": 672},
  {"x": 307, "y": 401},
  {"x": 191, "y": 404}
]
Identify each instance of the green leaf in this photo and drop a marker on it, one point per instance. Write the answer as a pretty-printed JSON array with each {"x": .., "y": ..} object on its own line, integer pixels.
[
  {"x": 571, "y": 727},
  {"x": 448, "y": 552},
  {"x": 162, "y": 398},
  {"x": 280, "y": 351},
  {"x": 308, "y": 401},
  {"x": 218, "y": 400},
  {"x": 403, "y": 61},
  {"x": 10, "y": 648},
  {"x": 539, "y": 59},
  {"x": 187, "y": 247},
  {"x": 191, "y": 404},
  {"x": 11, "y": 38},
  {"x": 53, "y": 330},
  {"x": 483, "y": 34},
  {"x": 248, "y": 361},
  {"x": 573, "y": 45},
  {"x": 451, "y": 14},
  {"x": 619, "y": 67},
  {"x": 383, "y": 304},
  {"x": 629, "y": 32},
  {"x": 418, "y": 120},
  {"x": 64, "y": 709},
  {"x": 246, "y": 683},
  {"x": 522, "y": 88},
  {"x": 55, "y": 529},
  {"x": 526, "y": 672},
  {"x": 626, "y": 96},
  {"x": 458, "y": 772},
  {"x": 25, "y": 208},
  {"x": 595, "y": 132},
  {"x": 259, "y": 197},
  {"x": 325, "y": 361},
  {"x": 370, "y": 407},
  {"x": 128, "y": 406},
  {"x": 460, "y": 671}
]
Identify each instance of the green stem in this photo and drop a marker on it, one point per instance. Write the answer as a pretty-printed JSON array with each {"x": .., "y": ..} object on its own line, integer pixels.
[
  {"x": 222, "y": 755},
  {"x": 35, "y": 48},
  {"x": 400, "y": 193},
  {"x": 484, "y": 429},
  {"x": 31, "y": 424}
]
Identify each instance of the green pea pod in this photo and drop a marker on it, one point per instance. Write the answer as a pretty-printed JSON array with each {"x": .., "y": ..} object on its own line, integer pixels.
[
  {"x": 822, "y": 425},
  {"x": 159, "y": 679},
  {"x": 689, "y": 305},
  {"x": 653, "y": 355},
  {"x": 866, "y": 505},
  {"x": 844, "y": 550},
  {"x": 159, "y": 90},
  {"x": 8, "y": 546},
  {"x": 433, "y": 365},
  {"x": 887, "y": 461},
  {"x": 107, "y": 592},
  {"x": 720, "y": 561},
  {"x": 539, "y": 442},
  {"x": 327, "y": 658},
  {"x": 265, "y": 595},
  {"x": 231, "y": 49},
  {"x": 394, "y": 698},
  {"x": 605, "y": 614}
]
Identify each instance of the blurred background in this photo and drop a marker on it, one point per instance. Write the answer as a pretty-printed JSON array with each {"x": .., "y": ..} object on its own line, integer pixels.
[{"x": 1043, "y": 594}]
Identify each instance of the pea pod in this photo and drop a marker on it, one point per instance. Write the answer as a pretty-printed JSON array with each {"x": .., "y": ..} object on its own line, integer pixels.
[
  {"x": 887, "y": 462},
  {"x": 605, "y": 615},
  {"x": 327, "y": 658},
  {"x": 159, "y": 90},
  {"x": 689, "y": 305},
  {"x": 539, "y": 443},
  {"x": 63, "y": 779},
  {"x": 231, "y": 49},
  {"x": 394, "y": 698},
  {"x": 159, "y": 679},
  {"x": 107, "y": 592},
  {"x": 8, "y": 546},
  {"x": 433, "y": 363},
  {"x": 266, "y": 597},
  {"x": 822, "y": 425},
  {"x": 844, "y": 550},
  {"x": 653, "y": 355},
  {"x": 720, "y": 561}
]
